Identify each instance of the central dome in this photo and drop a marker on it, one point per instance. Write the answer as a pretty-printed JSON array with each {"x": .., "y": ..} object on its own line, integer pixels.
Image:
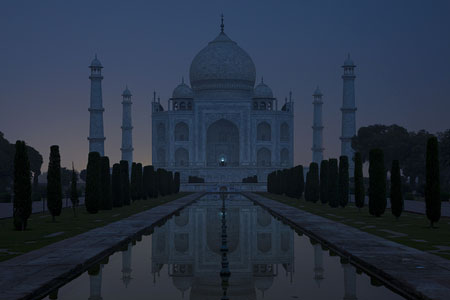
[{"x": 222, "y": 65}]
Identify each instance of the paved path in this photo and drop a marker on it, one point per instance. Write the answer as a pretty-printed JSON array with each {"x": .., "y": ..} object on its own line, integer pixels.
[
  {"x": 413, "y": 273},
  {"x": 35, "y": 274},
  {"x": 6, "y": 209},
  {"x": 417, "y": 207}
]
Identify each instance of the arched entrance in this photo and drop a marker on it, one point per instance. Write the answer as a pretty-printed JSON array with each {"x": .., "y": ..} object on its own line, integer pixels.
[{"x": 222, "y": 144}]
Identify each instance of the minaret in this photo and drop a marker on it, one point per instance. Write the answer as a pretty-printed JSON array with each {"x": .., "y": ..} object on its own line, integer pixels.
[
  {"x": 96, "y": 136},
  {"x": 348, "y": 112},
  {"x": 127, "y": 128},
  {"x": 95, "y": 285},
  {"x": 317, "y": 148},
  {"x": 349, "y": 282},
  {"x": 126, "y": 265},
  {"x": 318, "y": 264}
]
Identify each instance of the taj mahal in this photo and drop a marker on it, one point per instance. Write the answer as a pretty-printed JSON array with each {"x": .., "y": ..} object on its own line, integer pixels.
[{"x": 225, "y": 126}]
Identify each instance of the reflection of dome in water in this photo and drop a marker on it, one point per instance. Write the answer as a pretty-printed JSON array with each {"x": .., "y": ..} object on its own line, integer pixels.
[
  {"x": 182, "y": 219},
  {"x": 182, "y": 283},
  {"x": 241, "y": 287},
  {"x": 263, "y": 283},
  {"x": 263, "y": 217},
  {"x": 214, "y": 229}
]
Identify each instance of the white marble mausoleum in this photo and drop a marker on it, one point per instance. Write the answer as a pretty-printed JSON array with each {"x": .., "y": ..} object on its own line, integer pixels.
[{"x": 222, "y": 127}]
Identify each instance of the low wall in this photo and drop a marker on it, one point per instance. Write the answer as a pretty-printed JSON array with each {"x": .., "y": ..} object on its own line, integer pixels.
[{"x": 220, "y": 186}]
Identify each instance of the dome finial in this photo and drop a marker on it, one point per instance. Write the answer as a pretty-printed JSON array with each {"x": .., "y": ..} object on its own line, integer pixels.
[
  {"x": 221, "y": 25},
  {"x": 262, "y": 79},
  {"x": 182, "y": 79}
]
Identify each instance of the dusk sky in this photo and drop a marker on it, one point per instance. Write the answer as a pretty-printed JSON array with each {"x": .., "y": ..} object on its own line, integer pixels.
[{"x": 401, "y": 49}]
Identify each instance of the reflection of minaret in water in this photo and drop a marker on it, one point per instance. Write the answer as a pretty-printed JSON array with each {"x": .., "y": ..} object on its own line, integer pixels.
[
  {"x": 318, "y": 264},
  {"x": 349, "y": 282},
  {"x": 225, "y": 271},
  {"x": 126, "y": 266},
  {"x": 95, "y": 282}
]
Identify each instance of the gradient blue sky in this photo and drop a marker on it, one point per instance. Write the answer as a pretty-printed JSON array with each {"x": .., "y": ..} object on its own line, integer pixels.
[{"x": 401, "y": 49}]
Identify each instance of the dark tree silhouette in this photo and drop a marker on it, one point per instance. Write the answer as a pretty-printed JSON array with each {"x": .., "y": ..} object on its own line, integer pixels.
[
  {"x": 54, "y": 188},
  {"x": 176, "y": 180},
  {"x": 377, "y": 183},
  {"x": 125, "y": 182},
  {"x": 299, "y": 181},
  {"x": 396, "y": 190},
  {"x": 359, "y": 181},
  {"x": 432, "y": 184},
  {"x": 74, "y": 191},
  {"x": 93, "y": 192},
  {"x": 116, "y": 187},
  {"x": 343, "y": 181},
  {"x": 106, "y": 199},
  {"x": 134, "y": 189},
  {"x": 140, "y": 182},
  {"x": 22, "y": 187},
  {"x": 314, "y": 182},
  {"x": 333, "y": 182},
  {"x": 324, "y": 181}
]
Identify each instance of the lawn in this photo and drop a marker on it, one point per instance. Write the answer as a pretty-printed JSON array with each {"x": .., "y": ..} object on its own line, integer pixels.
[
  {"x": 42, "y": 231},
  {"x": 410, "y": 229}
]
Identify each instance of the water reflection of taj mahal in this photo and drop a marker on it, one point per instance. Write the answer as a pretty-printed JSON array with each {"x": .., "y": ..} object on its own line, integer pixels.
[{"x": 259, "y": 248}]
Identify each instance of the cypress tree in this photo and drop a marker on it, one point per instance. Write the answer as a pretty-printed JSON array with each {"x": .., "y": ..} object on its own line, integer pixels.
[
  {"x": 134, "y": 189},
  {"x": 290, "y": 183},
  {"x": 154, "y": 183},
  {"x": 333, "y": 183},
  {"x": 54, "y": 189},
  {"x": 377, "y": 183},
  {"x": 324, "y": 181},
  {"x": 170, "y": 183},
  {"x": 299, "y": 181},
  {"x": 36, "y": 193},
  {"x": 268, "y": 187},
  {"x": 308, "y": 186},
  {"x": 359, "y": 181},
  {"x": 176, "y": 180},
  {"x": 284, "y": 181},
  {"x": 140, "y": 182},
  {"x": 106, "y": 199},
  {"x": 74, "y": 191},
  {"x": 125, "y": 182},
  {"x": 93, "y": 192},
  {"x": 343, "y": 181},
  {"x": 146, "y": 182},
  {"x": 396, "y": 190},
  {"x": 432, "y": 184},
  {"x": 22, "y": 187},
  {"x": 314, "y": 182},
  {"x": 116, "y": 186}
]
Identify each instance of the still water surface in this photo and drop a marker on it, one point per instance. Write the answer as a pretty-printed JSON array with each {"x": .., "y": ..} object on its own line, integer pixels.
[{"x": 182, "y": 260}]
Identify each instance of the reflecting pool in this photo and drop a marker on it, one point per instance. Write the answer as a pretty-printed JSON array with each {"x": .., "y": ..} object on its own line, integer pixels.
[{"x": 183, "y": 259}]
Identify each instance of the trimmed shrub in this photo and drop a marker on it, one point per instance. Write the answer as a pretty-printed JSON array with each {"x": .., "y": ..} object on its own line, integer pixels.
[
  {"x": 343, "y": 181},
  {"x": 432, "y": 184},
  {"x": 377, "y": 183},
  {"x": 106, "y": 199},
  {"x": 134, "y": 189},
  {"x": 54, "y": 188},
  {"x": 396, "y": 190},
  {"x": 140, "y": 182},
  {"x": 359, "y": 181},
  {"x": 93, "y": 183},
  {"x": 333, "y": 182},
  {"x": 176, "y": 180},
  {"x": 74, "y": 191},
  {"x": 299, "y": 182},
  {"x": 116, "y": 186},
  {"x": 314, "y": 182},
  {"x": 324, "y": 181},
  {"x": 125, "y": 183},
  {"x": 22, "y": 187}
]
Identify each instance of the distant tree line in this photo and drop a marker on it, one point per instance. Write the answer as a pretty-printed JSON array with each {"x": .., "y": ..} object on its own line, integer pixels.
[
  {"x": 409, "y": 148},
  {"x": 331, "y": 184}
]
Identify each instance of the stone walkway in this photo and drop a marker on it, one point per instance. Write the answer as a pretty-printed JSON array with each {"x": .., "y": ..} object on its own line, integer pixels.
[
  {"x": 6, "y": 209},
  {"x": 35, "y": 274},
  {"x": 414, "y": 274}
]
